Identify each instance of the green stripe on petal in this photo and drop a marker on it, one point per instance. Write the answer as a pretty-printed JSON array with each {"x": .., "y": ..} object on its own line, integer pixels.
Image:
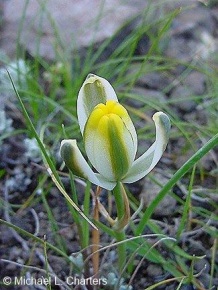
[
  {"x": 95, "y": 90},
  {"x": 75, "y": 161},
  {"x": 119, "y": 153},
  {"x": 145, "y": 163}
]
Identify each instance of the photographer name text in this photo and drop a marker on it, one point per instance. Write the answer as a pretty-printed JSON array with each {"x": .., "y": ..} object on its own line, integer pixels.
[{"x": 70, "y": 280}]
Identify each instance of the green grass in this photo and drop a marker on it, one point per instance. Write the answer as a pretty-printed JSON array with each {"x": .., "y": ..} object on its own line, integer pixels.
[{"x": 47, "y": 104}]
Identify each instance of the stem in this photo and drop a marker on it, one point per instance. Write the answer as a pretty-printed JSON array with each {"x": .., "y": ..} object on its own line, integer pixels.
[
  {"x": 119, "y": 201},
  {"x": 120, "y": 234}
]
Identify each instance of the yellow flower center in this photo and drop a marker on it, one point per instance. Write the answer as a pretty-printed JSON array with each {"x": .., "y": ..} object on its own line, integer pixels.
[{"x": 104, "y": 113}]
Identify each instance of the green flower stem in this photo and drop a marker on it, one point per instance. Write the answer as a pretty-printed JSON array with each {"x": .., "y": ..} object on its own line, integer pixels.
[
  {"x": 120, "y": 236},
  {"x": 120, "y": 233},
  {"x": 119, "y": 201}
]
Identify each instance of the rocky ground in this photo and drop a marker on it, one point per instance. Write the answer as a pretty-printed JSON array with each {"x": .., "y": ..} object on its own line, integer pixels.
[{"x": 193, "y": 37}]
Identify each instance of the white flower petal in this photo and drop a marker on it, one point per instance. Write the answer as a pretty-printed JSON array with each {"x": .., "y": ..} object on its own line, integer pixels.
[
  {"x": 75, "y": 161},
  {"x": 145, "y": 163},
  {"x": 109, "y": 185},
  {"x": 94, "y": 90}
]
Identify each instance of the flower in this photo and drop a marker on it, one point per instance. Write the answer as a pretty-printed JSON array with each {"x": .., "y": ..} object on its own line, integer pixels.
[{"x": 110, "y": 138}]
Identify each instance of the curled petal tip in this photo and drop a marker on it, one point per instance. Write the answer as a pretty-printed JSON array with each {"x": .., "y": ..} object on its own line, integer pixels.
[
  {"x": 158, "y": 115},
  {"x": 164, "y": 121},
  {"x": 90, "y": 75},
  {"x": 95, "y": 90},
  {"x": 70, "y": 154}
]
